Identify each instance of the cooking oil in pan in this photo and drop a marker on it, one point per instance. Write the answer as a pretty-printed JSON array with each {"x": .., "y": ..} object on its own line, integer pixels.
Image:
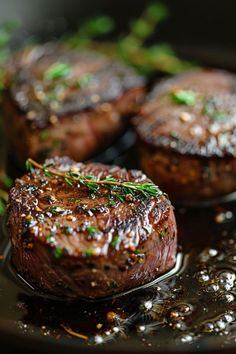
[{"x": 194, "y": 306}]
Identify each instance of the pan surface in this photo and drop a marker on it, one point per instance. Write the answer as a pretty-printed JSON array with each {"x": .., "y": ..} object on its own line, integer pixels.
[{"x": 193, "y": 309}]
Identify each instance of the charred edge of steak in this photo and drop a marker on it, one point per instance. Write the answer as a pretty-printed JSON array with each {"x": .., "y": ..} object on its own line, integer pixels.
[
  {"x": 205, "y": 127},
  {"x": 70, "y": 243}
]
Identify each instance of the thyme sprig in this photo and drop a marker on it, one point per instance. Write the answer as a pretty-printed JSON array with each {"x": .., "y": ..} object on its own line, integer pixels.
[
  {"x": 117, "y": 188},
  {"x": 133, "y": 47}
]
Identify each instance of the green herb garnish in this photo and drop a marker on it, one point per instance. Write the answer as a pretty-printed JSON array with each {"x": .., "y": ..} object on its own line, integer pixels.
[
  {"x": 67, "y": 230},
  {"x": 133, "y": 47},
  {"x": 114, "y": 284},
  {"x": 2, "y": 207},
  {"x": 162, "y": 234},
  {"x": 2, "y": 87},
  {"x": 77, "y": 201},
  {"x": 44, "y": 135},
  {"x": 29, "y": 167},
  {"x": 210, "y": 110},
  {"x": 6, "y": 181},
  {"x": 115, "y": 241},
  {"x": 49, "y": 237},
  {"x": 92, "y": 230},
  {"x": 85, "y": 80},
  {"x": 219, "y": 116},
  {"x": 174, "y": 134},
  {"x": 186, "y": 97},
  {"x": 88, "y": 252},
  {"x": 46, "y": 172},
  {"x": 92, "y": 28},
  {"x": 57, "y": 71},
  {"x": 96, "y": 26},
  {"x": 6, "y": 34},
  {"x": 118, "y": 189},
  {"x": 58, "y": 252}
]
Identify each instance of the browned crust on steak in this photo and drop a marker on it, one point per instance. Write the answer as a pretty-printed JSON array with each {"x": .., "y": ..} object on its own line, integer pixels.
[
  {"x": 190, "y": 150},
  {"x": 60, "y": 117},
  {"x": 163, "y": 123},
  {"x": 188, "y": 177},
  {"x": 47, "y": 216}
]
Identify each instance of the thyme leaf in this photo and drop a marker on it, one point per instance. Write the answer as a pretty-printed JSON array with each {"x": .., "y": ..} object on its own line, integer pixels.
[{"x": 29, "y": 166}]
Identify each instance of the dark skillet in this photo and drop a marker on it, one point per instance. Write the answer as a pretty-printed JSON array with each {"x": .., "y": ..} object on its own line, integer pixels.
[{"x": 195, "y": 28}]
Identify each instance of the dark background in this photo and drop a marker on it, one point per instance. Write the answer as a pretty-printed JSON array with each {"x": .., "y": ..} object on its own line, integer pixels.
[{"x": 195, "y": 22}]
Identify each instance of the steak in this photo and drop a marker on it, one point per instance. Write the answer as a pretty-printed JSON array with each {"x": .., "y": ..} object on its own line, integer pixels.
[
  {"x": 71, "y": 242},
  {"x": 61, "y": 101},
  {"x": 187, "y": 135}
]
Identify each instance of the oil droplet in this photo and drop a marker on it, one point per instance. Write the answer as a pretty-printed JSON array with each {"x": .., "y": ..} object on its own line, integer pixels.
[
  {"x": 141, "y": 328},
  {"x": 223, "y": 217},
  {"x": 186, "y": 338},
  {"x": 98, "y": 339}
]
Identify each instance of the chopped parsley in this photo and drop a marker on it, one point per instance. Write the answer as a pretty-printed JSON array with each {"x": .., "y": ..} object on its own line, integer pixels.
[
  {"x": 85, "y": 80},
  {"x": 49, "y": 237},
  {"x": 92, "y": 230},
  {"x": 2, "y": 87},
  {"x": 115, "y": 241},
  {"x": 186, "y": 97},
  {"x": 57, "y": 71},
  {"x": 88, "y": 252},
  {"x": 210, "y": 110},
  {"x": 174, "y": 134},
  {"x": 58, "y": 252},
  {"x": 43, "y": 135},
  {"x": 162, "y": 234}
]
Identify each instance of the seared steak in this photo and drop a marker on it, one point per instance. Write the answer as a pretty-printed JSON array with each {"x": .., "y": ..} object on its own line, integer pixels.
[
  {"x": 62, "y": 101},
  {"x": 73, "y": 243},
  {"x": 187, "y": 135}
]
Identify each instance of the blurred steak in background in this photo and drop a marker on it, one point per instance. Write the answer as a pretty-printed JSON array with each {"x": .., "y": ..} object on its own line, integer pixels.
[
  {"x": 187, "y": 133},
  {"x": 61, "y": 101}
]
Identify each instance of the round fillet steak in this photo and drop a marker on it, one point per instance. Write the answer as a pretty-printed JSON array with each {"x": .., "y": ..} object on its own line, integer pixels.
[
  {"x": 61, "y": 101},
  {"x": 187, "y": 135},
  {"x": 69, "y": 242}
]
